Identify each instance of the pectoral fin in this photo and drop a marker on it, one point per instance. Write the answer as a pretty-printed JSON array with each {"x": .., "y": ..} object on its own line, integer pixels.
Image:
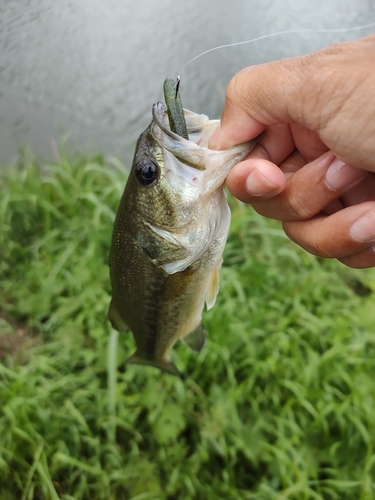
[
  {"x": 176, "y": 284},
  {"x": 213, "y": 287},
  {"x": 196, "y": 339},
  {"x": 165, "y": 366}
]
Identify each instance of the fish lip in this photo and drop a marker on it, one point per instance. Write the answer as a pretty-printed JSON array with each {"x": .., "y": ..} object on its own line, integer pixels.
[
  {"x": 178, "y": 146},
  {"x": 159, "y": 111}
]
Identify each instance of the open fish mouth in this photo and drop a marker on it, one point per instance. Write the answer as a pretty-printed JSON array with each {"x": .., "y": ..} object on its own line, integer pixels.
[
  {"x": 189, "y": 162},
  {"x": 193, "y": 151},
  {"x": 196, "y": 123}
]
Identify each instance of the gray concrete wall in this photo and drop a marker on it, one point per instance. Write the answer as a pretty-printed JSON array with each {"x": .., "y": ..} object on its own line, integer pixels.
[{"x": 91, "y": 69}]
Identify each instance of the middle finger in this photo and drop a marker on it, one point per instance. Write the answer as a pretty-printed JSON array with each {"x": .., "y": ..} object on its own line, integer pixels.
[{"x": 310, "y": 188}]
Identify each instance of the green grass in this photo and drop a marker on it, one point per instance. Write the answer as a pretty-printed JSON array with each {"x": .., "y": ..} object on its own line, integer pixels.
[{"x": 280, "y": 404}]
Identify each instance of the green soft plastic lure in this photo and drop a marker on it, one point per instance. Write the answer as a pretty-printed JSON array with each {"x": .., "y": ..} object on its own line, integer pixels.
[{"x": 175, "y": 110}]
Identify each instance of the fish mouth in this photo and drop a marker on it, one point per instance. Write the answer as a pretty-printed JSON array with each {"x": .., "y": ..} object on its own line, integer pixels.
[
  {"x": 189, "y": 162},
  {"x": 193, "y": 152},
  {"x": 160, "y": 116}
]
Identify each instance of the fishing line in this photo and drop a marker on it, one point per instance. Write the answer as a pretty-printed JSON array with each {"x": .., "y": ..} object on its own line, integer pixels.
[{"x": 278, "y": 33}]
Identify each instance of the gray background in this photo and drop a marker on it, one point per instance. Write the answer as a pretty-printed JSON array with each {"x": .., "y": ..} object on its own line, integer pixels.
[{"x": 90, "y": 70}]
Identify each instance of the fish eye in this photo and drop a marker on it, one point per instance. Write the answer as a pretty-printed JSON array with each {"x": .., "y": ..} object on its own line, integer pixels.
[{"x": 146, "y": 172}]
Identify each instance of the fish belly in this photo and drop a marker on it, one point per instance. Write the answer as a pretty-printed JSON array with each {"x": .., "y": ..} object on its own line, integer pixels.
[{"x": 160, "y": 308}]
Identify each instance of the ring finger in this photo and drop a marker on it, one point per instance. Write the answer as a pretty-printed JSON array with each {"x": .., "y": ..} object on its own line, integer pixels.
[{"x": 309, "y": 189}]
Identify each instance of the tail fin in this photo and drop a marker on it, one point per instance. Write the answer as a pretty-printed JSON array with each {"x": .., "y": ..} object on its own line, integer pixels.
[{"x": 165, "y": 366}]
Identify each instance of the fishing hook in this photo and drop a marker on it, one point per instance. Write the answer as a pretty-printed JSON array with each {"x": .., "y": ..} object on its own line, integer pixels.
[{"x": 177, "y": 84}]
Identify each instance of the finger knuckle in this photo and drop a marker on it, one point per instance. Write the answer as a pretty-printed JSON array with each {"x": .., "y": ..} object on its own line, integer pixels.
[
  {"x": 298, "y": 208},
  {"x": 237, "y": 93},
  {"x": 311, "y": 241},
  {"x": 268, "y": 207},
  {"x": 348, "y": 262},
  {"x": 360, "y": 260}
]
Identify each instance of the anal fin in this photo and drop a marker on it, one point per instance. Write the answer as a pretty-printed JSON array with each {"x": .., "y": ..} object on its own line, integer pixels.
[
  {"x": 165, "y": 366},
  {"x": 196, "y": 339},
  {"x": 114, "y": 317}
]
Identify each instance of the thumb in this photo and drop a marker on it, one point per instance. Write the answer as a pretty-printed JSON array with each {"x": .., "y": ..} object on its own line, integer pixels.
[
  {"x": 259, "y": 96},
  {"x": 322, "y": 91}
]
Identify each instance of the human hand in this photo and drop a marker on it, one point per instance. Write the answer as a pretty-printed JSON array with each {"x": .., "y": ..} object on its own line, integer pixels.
[{"x": 314, "y": 166}]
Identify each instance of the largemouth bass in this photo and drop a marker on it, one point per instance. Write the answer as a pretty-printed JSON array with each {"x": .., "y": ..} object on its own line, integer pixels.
[{"x": 168, "y": 237}]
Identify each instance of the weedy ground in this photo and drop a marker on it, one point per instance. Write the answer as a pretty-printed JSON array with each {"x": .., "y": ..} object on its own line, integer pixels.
[{"x": 280, "y": 404}]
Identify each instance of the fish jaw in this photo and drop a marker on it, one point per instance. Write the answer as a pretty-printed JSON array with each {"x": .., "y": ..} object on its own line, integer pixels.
[{"x": 191, "y": 160}]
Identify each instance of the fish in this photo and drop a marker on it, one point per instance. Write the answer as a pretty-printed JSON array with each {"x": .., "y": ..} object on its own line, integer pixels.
[{"x": 169, "y": 236}]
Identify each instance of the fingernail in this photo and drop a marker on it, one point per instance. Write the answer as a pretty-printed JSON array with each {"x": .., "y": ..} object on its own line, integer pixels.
[
  {"x": 363, "y": 229},
  {"x": 340, "y": 174},
  {"x": 257, "y": 184},
  {"x": 215, "y": 137}
]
